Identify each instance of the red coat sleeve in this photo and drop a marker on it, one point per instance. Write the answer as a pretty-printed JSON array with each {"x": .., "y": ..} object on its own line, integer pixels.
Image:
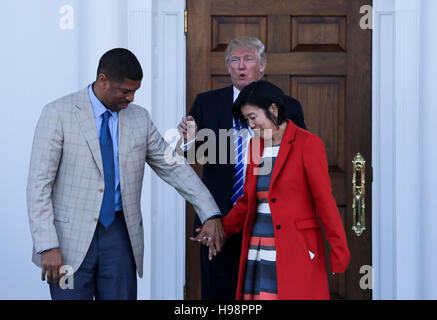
[
  {"x": 234, "y": 221},
  {"x": 316, "y": 170}
]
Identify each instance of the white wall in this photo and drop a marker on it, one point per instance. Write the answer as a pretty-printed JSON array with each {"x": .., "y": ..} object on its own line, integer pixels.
[
  {"x": 41, "y": 62},
  {"x": 404, "y": 131}
]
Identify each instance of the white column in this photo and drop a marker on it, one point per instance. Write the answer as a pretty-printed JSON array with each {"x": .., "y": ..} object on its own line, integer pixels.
[
  {"x": 396, "y": 150},
  {"x": 407, "y": 167},
  {"x": 428, "y": 150},
  {"x": 156, "y": 36},
  {"x": 140, "y": 41},
  {"x": 168, "y": 207}
]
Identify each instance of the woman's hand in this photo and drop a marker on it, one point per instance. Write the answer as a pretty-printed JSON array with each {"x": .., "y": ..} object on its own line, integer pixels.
[{"x": 211, "y": 234}]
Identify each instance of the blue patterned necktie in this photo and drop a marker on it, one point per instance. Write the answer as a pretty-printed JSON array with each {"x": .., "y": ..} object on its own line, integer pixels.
[
  {"x": 107, "y": 212},
  {"x": 239, "y": 147}
]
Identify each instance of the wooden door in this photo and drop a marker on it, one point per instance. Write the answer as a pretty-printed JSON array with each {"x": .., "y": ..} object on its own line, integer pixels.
[{"x": 318, "y": 54}]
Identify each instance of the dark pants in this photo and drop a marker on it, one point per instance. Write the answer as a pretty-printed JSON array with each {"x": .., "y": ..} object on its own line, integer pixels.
[
  {"x": 220, "y": 275},
  {"x": 108, "y": 271}
]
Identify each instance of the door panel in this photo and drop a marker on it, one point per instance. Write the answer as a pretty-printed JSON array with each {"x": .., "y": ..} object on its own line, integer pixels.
[
  {"x": 318, "y": 54},
  {"x": 225, "y": 28},
  {"x": 318, "y": 33}
]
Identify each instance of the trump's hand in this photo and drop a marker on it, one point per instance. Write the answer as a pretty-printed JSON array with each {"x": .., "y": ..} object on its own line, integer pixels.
[
  {"x": 212, "y": 235},
  {"x": 187, "y": 128}
]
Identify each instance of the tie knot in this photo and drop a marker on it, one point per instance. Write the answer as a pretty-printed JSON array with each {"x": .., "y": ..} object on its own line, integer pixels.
[{"x": 106, "y": 115}]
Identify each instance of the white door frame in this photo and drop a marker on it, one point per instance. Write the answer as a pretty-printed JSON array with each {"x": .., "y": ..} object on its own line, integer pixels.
[{"x": 396, "y": 149}]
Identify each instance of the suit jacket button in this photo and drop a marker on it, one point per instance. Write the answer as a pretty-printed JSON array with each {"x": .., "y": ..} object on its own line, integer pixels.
[
  {"x": 278, "y": 227},
  {"x": 273, "y": 200}
]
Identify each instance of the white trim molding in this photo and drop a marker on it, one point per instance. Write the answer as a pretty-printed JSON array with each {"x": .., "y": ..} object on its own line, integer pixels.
[
  {"x": 168, "y": 213},
  {"x": 383, "y": 146}
]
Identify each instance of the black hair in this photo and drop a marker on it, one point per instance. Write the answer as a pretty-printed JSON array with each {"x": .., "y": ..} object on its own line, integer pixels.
[
  {"x": 118, "y": 64},
  {"x": 261, "y": 94}
]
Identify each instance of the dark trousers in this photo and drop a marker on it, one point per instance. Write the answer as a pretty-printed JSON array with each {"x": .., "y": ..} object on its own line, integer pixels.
[
  {"x": 108, "y": 271},
  {"x": 220, "y": 275}
]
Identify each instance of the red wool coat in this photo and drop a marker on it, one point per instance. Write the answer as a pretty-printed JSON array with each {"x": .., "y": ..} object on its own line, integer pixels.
[{"x": 299, "y": 197}]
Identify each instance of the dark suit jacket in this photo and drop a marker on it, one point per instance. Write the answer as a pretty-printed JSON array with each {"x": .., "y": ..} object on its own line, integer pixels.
[{"x": 212, "y": 110}]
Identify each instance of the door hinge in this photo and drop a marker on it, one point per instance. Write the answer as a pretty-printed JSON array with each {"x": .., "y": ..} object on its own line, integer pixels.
[{"x": 185, "y": 22}]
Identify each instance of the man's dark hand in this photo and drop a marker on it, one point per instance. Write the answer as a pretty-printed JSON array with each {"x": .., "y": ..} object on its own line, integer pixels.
[
  {"x": 51, "y": 261},
  {"x": 212, "y": 235}
]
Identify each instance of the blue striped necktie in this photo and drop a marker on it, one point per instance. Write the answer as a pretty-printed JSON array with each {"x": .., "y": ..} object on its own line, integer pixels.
[
  {"x": 239, "y": 147},
  {"x": 107, "y": 212}
]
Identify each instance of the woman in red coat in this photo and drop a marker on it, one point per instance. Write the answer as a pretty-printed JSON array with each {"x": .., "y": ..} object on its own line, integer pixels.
[{"x": 287, "y": 193}]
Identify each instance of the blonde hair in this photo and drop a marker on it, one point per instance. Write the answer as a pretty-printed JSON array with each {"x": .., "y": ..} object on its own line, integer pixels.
[{"x": 247, "y": 43}]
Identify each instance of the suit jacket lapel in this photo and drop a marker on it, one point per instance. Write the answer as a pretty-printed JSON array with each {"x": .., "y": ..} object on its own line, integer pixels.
[
  {"x": 224, "y": 107},
  {"x": 124, "y": 134},
  {"x": 85, "y": 116},
  {"x": 284, "y": 150},
  {"x": 224, "y": 122}
]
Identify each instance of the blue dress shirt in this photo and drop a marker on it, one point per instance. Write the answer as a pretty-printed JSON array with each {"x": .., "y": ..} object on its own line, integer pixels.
[{"x": 99, "y": 109}]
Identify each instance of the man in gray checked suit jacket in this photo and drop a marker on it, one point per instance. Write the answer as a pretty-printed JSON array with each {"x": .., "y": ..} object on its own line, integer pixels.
[{"x": 85, "y": 179}]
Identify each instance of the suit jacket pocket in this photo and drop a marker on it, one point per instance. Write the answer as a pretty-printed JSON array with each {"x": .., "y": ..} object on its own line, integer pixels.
[
  {"x": 61, "y": 215},
  {"x": 139, "y": 146},
  {"x": 138, "y": 143},
  {"x": 138, "y": 150}
]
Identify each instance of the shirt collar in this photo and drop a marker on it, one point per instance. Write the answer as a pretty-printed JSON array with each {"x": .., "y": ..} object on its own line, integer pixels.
[
  {"x": 236, "y": 93},
  {"x": 98, "y": 107}
]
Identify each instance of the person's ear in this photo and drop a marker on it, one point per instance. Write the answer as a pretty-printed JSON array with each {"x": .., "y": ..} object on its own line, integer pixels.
[
  {"x": 103, "y": 81},
  {"x": 228, "y": 66},
  {"x": 274, "y": 110},
  {"x": 262, "y": 66}
]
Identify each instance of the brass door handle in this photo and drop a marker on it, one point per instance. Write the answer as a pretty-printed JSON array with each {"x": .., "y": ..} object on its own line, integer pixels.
[{"x": 358, "y": 192}]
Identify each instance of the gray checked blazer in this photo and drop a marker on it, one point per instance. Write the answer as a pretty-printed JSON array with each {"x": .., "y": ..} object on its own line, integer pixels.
[{"x": 65, "y": 184}]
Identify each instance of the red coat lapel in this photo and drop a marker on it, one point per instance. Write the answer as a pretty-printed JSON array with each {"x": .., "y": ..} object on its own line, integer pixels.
[{"x": 284, "y": 149}]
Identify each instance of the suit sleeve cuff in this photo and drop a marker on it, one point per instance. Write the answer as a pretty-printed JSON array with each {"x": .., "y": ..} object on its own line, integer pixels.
[
  {"x": 42, "y": 251},
  {"x": 187, "y": 145},
  {"x": 214, "y": 215}
]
